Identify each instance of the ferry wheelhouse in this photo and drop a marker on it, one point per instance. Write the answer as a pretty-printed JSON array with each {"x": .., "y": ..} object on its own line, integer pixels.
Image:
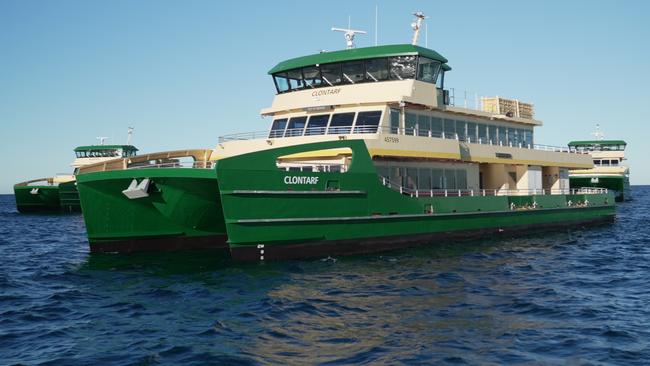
[
  {"x": 608, "y": 169},
  {"x": 364, "y": 153},
  {"x": 59, "y": 193}
]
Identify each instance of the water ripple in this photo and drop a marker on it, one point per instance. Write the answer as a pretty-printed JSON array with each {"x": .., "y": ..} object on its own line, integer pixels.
[{"x": 572, "y": 297}]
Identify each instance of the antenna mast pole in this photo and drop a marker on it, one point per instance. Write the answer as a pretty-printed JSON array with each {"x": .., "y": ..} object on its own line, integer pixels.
[
  {"x": 376, "y": 16},
  {"x": 129, "y": 136},
  {"x": 416, "y": 25}
]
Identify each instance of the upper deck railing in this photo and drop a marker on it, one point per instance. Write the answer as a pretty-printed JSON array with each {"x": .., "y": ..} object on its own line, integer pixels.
[
  {"x": 415, "y": 192},
  {"x": 388, "y": 130}
]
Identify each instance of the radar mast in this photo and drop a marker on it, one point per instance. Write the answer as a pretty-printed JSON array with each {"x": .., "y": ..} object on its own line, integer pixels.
[{"x": 416, "y": 25}]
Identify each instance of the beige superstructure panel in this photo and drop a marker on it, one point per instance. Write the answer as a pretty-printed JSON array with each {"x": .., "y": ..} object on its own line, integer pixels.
[
  {"x": 414, "y": 147},
  {"x": 411, "y": 91},
  {"x": 513, "y": 155},
  {"x": 599, "y": 171}
]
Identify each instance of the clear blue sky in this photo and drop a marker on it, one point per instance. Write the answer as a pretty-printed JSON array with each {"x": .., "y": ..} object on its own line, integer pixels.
[{"x": 184, "y": 72}]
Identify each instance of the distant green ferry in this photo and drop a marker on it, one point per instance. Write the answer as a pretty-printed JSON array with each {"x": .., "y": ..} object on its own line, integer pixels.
[
  {"x": 365, "y": 152},
  {"x": 59, "y": 193},
  {"x": 608, "y": 170}
]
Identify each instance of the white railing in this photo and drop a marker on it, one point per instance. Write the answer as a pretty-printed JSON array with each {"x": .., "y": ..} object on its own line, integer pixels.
[
  {"x": 413, "y": 192},
  {"x": 178, "y": 164},
  {"x": 392, "y": 131}
]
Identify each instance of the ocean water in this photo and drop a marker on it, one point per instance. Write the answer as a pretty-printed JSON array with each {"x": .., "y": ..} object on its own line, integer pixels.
[{"x": 575, "y": 297}]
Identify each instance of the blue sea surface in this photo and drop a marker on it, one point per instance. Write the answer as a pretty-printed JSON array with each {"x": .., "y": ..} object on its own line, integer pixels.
[{"x": 575, "y": 297}]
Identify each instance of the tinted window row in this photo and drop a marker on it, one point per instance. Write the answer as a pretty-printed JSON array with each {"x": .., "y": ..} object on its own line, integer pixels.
[
  {"x": 584, "y": 148},
  {"x": 423, "y": 125},
  {"x": 326, "y": 124},
  {"x": 359, "y": 71},
  {"x": 105, "y": 153},
  {"x": 425, "y": 178}
]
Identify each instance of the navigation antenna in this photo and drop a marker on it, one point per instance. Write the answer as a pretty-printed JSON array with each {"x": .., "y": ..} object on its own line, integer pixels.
[
  {"x": 598, "y": 134},
  {"x": 416, "y": 25},
  {"x": 101, "y": 139},
  {"x": 129, "y": 136},
  {"x": 349, "y": 35}
]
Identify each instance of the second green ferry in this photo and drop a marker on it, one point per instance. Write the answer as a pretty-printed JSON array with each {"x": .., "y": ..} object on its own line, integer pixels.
[
  {"x": 364, "y": 153},
  {"x": 59, "y": 194}
]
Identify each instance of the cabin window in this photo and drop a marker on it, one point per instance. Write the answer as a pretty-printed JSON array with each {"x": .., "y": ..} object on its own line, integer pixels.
[
  {"x": 614, "y": 162},
  {"x": 502, "y": 132},
  {"x": 367, "y": 122},
  {"x": 436, "y": 127},
  {"x": 295, "y": 79},
  {"x": 277, "y": 128},
  {"x": 471, "y": 132},
  {"x": 402, "y": 67},
  {"x": 597, "y": 162},
  {"x": 341, "y": 123},
  {"x": 450, "y": 179},
  {"x": 331, "y": 74},
  {"x": 493, "y": 133},
  {"x": 483, "y": 133},
  {"x": 424, "y": 125},
  {"x": 410, "y": 124},
  {"x": 317, "y": 124},
  {"x": 281, "y": 82},
  {"x": 461, "y": 179},
  {"x": 312, "y": 76},
  {"x": 411, "y": 179},
  {"x": 460, "y": 130},
  {"x": 377, "y": 69},
  {"x": 424, "y": 179},
  {"x": 437, "y": 177},
  {"x": 296, "y": 126},
  {"x": 394, "y": 120},
  {"x": 428, "y": 70},
  {"x": 353, "y": 72},
  {"x": 450, "y": 128}
]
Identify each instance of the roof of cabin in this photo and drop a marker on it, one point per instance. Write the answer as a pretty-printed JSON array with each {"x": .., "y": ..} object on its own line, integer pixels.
[
  {"x": 359, "y": 54},
  {"x": 597, "y": 142},
  {"x": 105, "y": 147}
]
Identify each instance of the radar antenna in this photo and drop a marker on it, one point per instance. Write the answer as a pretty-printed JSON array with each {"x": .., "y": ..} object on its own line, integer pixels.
[
  {"x": 416, "y": 25},
  {"x": 101, "y": 139},
  {"x": 349, "y": 35},
  {"x": 598, "y": 134},
  {"x": 129, "y": 135}
]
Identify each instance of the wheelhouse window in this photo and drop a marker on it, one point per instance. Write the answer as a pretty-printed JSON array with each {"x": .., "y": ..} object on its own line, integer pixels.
[
  {"x": 402, "y": 67},
  {"x": 317, "y": 124},
  {"x": 354, "y": 72},
  {"x": 277, "y": 128},
  {"x": 341, "y": 123},
  {"x": 312, "y": 77},
  {"x": 377, "y": 69},
  {"x": 296, "y": 126},
  {"x": 295, "y": 79},
  {"x": 331, "y": 74},
  {"x": 281, "y": 82},
  {"x": 410, "y": 124},
  {"x": 428, "y": 70},
  {"x": 367, "y": 122}
]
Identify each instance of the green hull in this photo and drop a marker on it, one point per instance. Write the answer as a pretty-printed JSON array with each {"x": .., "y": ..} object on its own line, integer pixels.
[
  {"x": 63, "y": 198},
  {"x": 268, "y": 219},
  {"x": 44, "y": 199},
  {"x": 182, "y": 210},
  {"x": 620, "y": 185}
]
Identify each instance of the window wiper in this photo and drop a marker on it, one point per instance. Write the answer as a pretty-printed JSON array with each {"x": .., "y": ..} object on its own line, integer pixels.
[
  {"x": 327, "y": 81},
  {"x": 372, "y": 77},
  {"x": 347, "y": 77}
]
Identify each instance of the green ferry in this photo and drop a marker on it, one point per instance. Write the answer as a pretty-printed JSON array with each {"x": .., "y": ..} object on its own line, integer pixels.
[
  {"x": 365, "y": 152},
  {"x": 608, "y": 170},
  {"x": 59, "y": 193}
]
